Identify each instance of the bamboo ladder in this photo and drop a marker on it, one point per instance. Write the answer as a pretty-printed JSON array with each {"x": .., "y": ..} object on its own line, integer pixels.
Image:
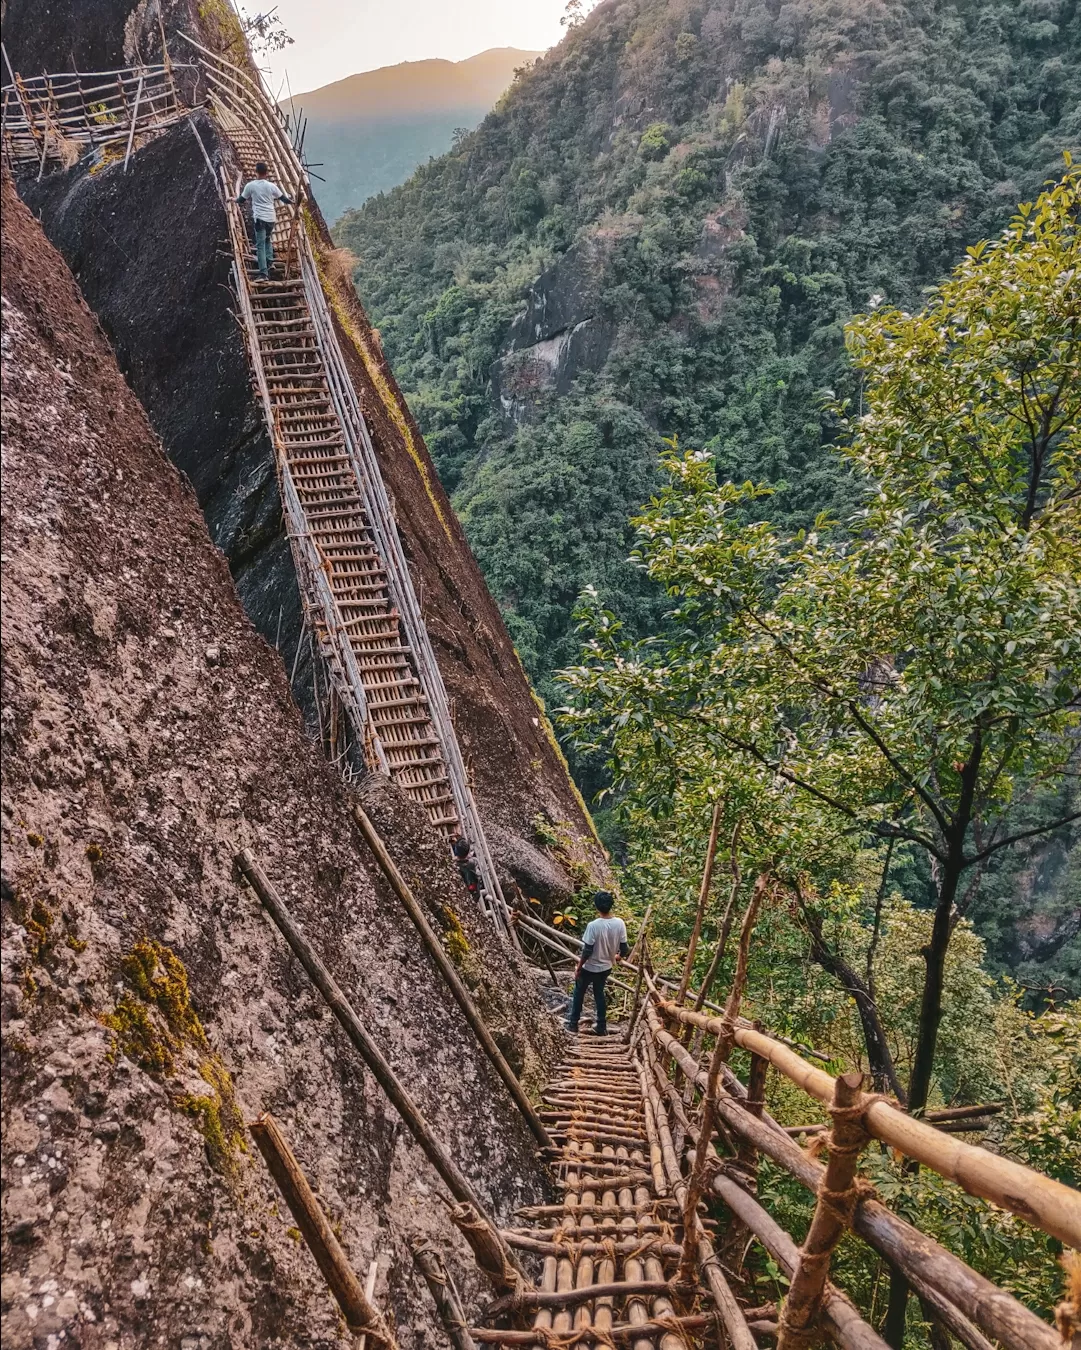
[{"x": 358, "y": 593}]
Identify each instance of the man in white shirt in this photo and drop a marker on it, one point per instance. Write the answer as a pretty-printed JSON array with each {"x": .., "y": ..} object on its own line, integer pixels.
[
  {"x": 604, "y": 944},
  {"x": 263, "y": 194}
]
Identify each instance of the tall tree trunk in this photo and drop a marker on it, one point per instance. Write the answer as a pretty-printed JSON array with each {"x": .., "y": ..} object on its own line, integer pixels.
[
  {"x": 934, "y": 955},
  {"x": 883, "y": 1070}
]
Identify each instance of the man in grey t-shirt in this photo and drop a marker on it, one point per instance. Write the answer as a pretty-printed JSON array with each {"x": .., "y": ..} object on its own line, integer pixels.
[
  {"x": 603, "y": 944},
  {"x": 263, "y": 195}
]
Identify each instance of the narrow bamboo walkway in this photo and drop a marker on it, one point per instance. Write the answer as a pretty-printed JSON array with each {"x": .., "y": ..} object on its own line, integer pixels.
[
  {"x": 616, "y": 1228},
  {"x": 616, "y": 1220}
]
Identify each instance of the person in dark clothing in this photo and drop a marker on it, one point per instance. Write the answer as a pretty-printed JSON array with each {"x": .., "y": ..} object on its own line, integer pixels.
[
  {"x": 467, "y": 864},
  {"x": 604, "y": 944}
]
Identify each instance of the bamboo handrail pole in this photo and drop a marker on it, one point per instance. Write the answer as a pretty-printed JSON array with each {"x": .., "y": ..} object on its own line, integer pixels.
[
  {"x": 726, "y": 921},
  {"x": 134, "y": 120},
  {"x": 640, "y": 948},
  {"x": 1039, "y": 1200},
  {"x": 447, "y": 1299},
  {"x": 832, "y": 1216},
  {"x": 703, "y": 896},
  {"x": 360, "y": 1314},
  {"x": 449, "y": 972},
  {"x": 931, "y": 1269},
  {"x": 433, "y": 1147}
]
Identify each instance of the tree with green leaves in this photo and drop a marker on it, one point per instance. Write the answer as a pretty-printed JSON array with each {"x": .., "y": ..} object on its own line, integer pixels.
[{"x": 914, "y": 677}]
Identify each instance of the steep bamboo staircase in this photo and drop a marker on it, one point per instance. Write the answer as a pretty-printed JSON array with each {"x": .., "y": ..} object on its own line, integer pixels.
[
  {"x": 309, "y": 436},
  {"x": 357, "y": 589}
]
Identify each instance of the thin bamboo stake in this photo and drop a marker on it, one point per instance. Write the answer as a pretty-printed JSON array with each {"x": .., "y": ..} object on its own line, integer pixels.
[
  {"x": 447, "y": 969},
  {"x": 360, "y": 1314},
  {"x": 640, "y": 948},
  {"x": 477, "y": 1226},
  {"x": 832, "y": 1216},
  {"x": 447, "y": 1299},
  {"x": 369, "y": 1294},
  {"x": 1039, "y": 1200},
  {"x": 703, "y": 896},
  {"x": 134, "y": 120},
  {"x": 726, "y": 921},
  {"x": 721, "y": 1051}
]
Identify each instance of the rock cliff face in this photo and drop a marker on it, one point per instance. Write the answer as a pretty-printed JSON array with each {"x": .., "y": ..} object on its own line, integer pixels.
[
  {"x": 149, "y": 250},
  {"x": 565, "y": 329},
  {"x": 149, "y": 1008}
]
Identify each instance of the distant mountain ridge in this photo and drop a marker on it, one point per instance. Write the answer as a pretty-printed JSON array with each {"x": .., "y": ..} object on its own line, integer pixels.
[{"x": 368, "y": 132}]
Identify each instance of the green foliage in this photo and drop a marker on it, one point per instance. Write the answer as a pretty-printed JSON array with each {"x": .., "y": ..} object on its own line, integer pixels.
[
  {"x": 751, "y": 174},
  {"x": 874, "y": 696}
]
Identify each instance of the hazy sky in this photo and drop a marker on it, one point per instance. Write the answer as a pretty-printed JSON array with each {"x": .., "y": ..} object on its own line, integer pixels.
[{"x": 335, "y": 38}]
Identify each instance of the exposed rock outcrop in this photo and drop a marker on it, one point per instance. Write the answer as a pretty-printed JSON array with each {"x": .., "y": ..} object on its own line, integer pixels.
[
  {"x": 565, "y": 329},
  {"x": 149, "y": 1008}
]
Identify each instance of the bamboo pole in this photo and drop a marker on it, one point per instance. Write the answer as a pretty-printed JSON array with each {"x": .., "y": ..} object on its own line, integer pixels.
[
  {"x": 731, "y": 1314},
  {"x": 134, "y": 120},
  {"x": 726, "y": 921},
  {"x": 1039, "y": 1200},
  {"x": 360, "y": 1314},
  {"x": 931, "y": 1269},
  {"x": 447, "y": 969},
  {"x": 369, "y": 1294},
  {"x": 671, "y": 1326},
  {"x": 640, "y": 948},
  {"x": 447, "y": 1299},
  {"x": 832, "y": 1216},
  {"x": 721, "y": 1052},
  {"x": 703, "y": 896},
  {"x": 477, "y": 1227}
]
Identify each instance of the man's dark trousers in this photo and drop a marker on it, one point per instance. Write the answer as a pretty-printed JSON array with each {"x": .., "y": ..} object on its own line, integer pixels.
[{"x": 595, "y": 979}]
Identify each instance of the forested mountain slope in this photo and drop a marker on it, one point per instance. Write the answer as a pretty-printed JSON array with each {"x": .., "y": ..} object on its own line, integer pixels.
[
  {"x": 661, "y": 231},
  {"x": 368, "y": 132}
]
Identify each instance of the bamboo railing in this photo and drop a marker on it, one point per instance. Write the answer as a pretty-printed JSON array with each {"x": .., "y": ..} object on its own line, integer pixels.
[
  {"x": 55, "y": 118},
  {"x": 967, "y": 1304}
]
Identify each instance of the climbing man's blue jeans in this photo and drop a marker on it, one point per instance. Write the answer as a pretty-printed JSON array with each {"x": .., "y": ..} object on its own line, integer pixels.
[
  {"x": 264, "y": 246},
  {"x": 595, "y": 980}
]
